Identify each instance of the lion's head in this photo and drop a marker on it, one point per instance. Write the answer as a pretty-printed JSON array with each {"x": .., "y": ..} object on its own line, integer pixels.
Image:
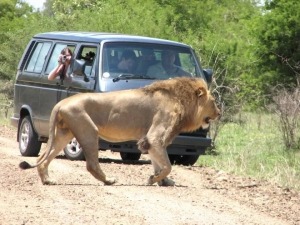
[
  {"x": 198, "y": 106},
  {"x": 209, "y": 110},
  {"x": 206, "y": 107}
]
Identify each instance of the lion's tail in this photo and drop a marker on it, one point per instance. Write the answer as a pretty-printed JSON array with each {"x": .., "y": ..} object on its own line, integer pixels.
[{"x": 52, "y": 127}]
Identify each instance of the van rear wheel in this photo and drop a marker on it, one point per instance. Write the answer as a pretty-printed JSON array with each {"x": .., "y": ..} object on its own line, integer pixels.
[{"x": 29, "y": 144}]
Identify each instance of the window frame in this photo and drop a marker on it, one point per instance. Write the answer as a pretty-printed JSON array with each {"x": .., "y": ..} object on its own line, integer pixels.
[{"x": 37, "y": 57}]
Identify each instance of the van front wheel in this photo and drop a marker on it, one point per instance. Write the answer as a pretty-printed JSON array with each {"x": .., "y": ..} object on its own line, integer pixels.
[
  {"x": 185, "y": 160},
  {"x": 73, "y": 151},
  {"x": 29, "y": 144},
  {"x": 130, "y": 156}
]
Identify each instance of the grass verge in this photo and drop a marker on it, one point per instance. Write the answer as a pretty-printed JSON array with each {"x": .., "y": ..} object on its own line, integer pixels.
[{"x": 254, "y": 147}]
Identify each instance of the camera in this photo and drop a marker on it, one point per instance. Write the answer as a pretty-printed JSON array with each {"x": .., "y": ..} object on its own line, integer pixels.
[{"x": 63, "y": 59}]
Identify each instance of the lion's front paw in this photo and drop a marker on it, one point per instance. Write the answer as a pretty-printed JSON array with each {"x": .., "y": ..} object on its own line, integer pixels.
[
  {"x": 166, "y": 182},
  {"x": 110, "y": 181},
  {"x": 49, "y": 182},
  {"x": 151, "y": 180}
]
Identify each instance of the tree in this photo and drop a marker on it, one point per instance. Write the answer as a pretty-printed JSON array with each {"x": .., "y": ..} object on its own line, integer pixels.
[
  {"x": 227, "y": 46},
  {"x": 13, "y": 17},
  {"x": 278, "y": 32}
]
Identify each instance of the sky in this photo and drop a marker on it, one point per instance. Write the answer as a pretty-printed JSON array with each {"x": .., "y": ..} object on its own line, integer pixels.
[
  {"x": 39, "y": 3},
  {"x": 36, "y": 3}
]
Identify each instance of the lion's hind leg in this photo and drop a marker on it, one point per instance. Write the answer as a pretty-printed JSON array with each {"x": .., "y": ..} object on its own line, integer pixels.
[
  {"x": 61, "y": 139},
  {"x": 89, "y": 143},
  {"x": 92, "y": 163}
]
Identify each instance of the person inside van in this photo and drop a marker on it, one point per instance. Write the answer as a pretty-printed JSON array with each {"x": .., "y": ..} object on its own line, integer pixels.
[
  {"x": 166, "y": 68},
  {"x": 61, "y": 69},
  {"x": 127, "y": 63}
]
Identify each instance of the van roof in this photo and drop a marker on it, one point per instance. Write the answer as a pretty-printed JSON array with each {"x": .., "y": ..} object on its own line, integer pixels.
[{"x": 97, "y": 37}]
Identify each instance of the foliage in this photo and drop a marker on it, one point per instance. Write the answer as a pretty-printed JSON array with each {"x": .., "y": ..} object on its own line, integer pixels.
[
  {"x": 12, "y": 18},
  {"x": 12, "y": 46},
  {"x": 278, "y": 32},
  {"x": 10, "y": 9},
  {"x": 229, "y": 46}
]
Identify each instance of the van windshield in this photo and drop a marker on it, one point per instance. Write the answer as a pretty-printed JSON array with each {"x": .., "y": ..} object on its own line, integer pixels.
[{"x": 148, "y": 61}]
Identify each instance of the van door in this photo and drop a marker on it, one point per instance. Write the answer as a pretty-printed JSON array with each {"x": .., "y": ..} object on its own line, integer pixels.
[
  {"x": 58, "y": 89},
  {"x": 51, "y": 90}
]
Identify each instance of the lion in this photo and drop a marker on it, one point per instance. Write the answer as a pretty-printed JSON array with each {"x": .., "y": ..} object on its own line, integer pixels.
[{"x": 152, "y": 115}]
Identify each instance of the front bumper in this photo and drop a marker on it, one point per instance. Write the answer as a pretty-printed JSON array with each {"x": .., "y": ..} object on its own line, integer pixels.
[{"x": 181, "y": 145}]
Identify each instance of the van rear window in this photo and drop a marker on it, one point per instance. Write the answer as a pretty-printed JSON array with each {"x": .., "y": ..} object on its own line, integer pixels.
[{"x": 38, "y": 57}]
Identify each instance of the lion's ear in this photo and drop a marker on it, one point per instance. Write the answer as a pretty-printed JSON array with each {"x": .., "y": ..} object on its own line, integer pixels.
[{"x": 201, "y": 91}]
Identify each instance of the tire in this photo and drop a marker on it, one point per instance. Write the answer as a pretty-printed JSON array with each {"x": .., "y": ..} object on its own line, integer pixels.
[
  {"x": 130, "y": 156},
  {"x": 29, "y": 145},
  {"x": 73, "y": 151},
  {"x": 186, "y": 160}
]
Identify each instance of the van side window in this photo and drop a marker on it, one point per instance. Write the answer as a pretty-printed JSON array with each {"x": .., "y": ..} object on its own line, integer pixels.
[
  {"x": 88, "y": 55},
  {"x": 55, "y": 54},
  {"x": 38, "y": 57}
]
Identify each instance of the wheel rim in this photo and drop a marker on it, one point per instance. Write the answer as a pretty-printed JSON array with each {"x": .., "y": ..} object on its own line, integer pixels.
[
  {"x": 73, "y": 147},
  {"x": 24, "y": 136}
]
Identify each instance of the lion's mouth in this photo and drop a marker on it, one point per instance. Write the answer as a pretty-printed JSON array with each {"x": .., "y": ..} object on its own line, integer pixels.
[
  {"x": 206, "y": 123},
  {"x": 207, "y": 120}
]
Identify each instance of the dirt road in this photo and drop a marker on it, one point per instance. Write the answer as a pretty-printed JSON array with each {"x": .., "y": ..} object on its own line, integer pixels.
[{"x": 201, "y": 195}]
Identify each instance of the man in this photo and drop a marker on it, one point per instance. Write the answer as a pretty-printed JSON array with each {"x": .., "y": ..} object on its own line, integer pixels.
[{"x": 166, "y": 68}]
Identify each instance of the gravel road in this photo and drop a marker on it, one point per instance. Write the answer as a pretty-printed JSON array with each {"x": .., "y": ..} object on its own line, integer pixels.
[{"x": 201, "y": 195}]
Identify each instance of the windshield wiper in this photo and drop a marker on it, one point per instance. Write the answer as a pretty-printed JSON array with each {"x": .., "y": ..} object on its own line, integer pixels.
[{"x": 128, "y": 76}]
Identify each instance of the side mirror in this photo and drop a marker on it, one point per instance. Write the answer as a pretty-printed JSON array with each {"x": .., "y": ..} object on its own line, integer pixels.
[
  {"x": 78, "y": 67},
  {"x": 208, "y": 73}
]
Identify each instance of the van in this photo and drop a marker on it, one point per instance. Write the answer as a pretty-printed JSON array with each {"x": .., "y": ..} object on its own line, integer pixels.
[{"x": 35, "y": 95}]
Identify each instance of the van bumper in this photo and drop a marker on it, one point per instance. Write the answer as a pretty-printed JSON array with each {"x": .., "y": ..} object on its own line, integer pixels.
[{"x": 181, "y": 145}]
